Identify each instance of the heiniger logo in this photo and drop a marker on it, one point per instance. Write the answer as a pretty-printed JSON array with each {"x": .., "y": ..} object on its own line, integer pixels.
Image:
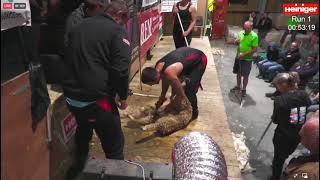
[{"x": 300, "y": 8}]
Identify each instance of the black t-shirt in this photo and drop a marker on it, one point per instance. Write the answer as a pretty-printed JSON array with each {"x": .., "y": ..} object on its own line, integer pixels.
[
  {"x": 290, "y": 109},
  {"x": 190, "y": 58}
]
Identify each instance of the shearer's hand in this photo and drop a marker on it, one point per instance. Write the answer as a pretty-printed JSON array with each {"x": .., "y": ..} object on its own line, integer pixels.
[{"x": 160, "y": 102}]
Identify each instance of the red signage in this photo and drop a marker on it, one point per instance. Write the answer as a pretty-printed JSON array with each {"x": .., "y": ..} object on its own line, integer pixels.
[
  {"x": 7, "y": 5},
  {"x": 69, "y": 126},
  {"x": 149, "y": 23},
  {"x": 298, "y": 8},
  {"x": 218, "y": 18}
]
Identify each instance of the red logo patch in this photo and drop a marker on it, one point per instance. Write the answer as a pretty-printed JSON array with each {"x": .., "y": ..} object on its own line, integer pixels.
[
  {"x": 7, "y": 5},
  {"x": 300, "y": 8},
  {"x": 126, "y": 41}
]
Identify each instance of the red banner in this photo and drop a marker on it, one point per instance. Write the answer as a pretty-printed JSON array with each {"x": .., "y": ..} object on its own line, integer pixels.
[
  {"x": 218, "y": 18},
  {"x": 298, "y": 8},
  {"x": 149, "y": 29}
]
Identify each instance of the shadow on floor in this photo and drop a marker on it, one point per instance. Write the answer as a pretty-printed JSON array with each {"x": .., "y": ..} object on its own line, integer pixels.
[{"x": 248, "y": 100}]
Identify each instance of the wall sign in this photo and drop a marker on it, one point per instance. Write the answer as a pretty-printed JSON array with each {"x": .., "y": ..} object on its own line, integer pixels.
[
  {"x": 146, "y": 3},
  {"x": 149, "y": 23},
  {"x": 166, "y": 5}
]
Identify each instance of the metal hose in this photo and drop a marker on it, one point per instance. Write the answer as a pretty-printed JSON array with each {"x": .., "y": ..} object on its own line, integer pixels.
[{"x": 197, "y": 157}]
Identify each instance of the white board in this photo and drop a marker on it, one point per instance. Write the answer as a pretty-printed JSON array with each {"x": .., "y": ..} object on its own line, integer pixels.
[
  {"x": 166, "y": 5},
  {"x": 146, "y": 3}
]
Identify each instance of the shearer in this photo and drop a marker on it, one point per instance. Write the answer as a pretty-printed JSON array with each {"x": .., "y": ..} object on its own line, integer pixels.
[{"x": 186, "y": 64}]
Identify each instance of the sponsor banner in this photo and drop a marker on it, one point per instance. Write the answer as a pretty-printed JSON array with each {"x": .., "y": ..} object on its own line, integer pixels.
[
  {"x": 149, "y": 22},
  {"x": 218, "y": 19},
  {"x": 15, "y": 13},
  {"x": 146, "y": 3},
  {"x": 69, "y": 126},
  {"x": 300, "y": 8},
  {"x": 166, "y": 5}
]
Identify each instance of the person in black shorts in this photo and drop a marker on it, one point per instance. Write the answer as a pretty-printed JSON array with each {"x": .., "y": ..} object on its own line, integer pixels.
[
  {"x": 248, "y": 43},
  {"x": 183, "y": 64}
]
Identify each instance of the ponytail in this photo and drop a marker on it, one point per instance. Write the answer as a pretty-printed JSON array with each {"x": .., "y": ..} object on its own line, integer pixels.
[{"x": 293, "y": 79}]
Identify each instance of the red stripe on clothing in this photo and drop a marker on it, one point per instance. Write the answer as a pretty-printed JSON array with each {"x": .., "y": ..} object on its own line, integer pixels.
[
  {"x": 204, "y": 61},
  {"x": 191, "y": 57},
  {"x": 105, "y": 104}
]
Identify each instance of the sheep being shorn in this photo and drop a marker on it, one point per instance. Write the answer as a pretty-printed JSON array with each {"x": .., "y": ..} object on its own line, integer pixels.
[{"x": 165, "y": 123}]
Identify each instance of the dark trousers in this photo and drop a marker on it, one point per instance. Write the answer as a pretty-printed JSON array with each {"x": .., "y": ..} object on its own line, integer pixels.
[
  {"x": 192, "y": 86},
  {"x": 104, "y": 118},
  {"x": 179, "y": 40},
  {"x": 285, "y": 143}
]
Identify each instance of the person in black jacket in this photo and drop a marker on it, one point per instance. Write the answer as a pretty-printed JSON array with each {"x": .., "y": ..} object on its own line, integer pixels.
[
  {"x": 264, "y": 26},
  {"x": 96, "y": 85},
  {"x": 289, "y": 113}
]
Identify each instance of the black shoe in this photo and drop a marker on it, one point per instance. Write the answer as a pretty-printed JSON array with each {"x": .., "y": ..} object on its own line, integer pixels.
[
  {"x": 243, "y": 93},
  {"x": 235, "y": 89},
  {"x": 268, "y": 81},
  {"x": 195, "y": 114},
  {"x": 269, "y": 95},
  {"x": 260, "y": 76}
]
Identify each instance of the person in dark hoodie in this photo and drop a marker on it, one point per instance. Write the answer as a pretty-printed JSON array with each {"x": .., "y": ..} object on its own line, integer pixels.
[
  {"x": 272, "y": 56},
  {"x": 306, "y": 69},
  {"x": 289, "y": 114},
  {"x": 271, "y": 69},
  {"x": 96, "y": 85}
]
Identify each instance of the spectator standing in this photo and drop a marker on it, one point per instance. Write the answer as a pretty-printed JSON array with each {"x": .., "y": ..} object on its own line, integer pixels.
[
  {"x": 248, "y": 43},
  {"x": 187, "y": 14},
  {"x": 252, "y": 17},
  {"x": 264, "y": 26},
  {"x": 289, "y": 113},
  {"x": 97, "y": 58}
]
